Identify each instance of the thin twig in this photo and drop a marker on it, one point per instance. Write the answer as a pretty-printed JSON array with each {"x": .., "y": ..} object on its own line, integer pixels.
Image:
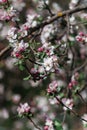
[
  {"x": 83, "y": 88},
  {"x": 80, "y": 67},
  {"x": 64, "y": 117},
  {"x": 37, "y": 127},
  {"x": 78, "y": 23},
  {"x": 76, "y": 114},
  {"x": 48, "y": 8},
  {"x": 77, "y": 92},
  {"x": 37, "y": 63},
  {"x": 8, "y": 3}
]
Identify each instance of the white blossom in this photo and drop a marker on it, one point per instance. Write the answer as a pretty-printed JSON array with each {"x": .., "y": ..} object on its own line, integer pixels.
[
  {"x": 68, "y": 103},
  {"x": 48, "y": 63},
  {"x": 23, "y": 109}
]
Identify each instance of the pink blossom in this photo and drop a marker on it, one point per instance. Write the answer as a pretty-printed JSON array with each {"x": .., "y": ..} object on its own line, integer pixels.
[
  {"x": 3, "y": 1},
  {"x": 81, "y": 37},
  {"x": 40, "y": 49},
  {"x": 46, "y": 127},
  {"x": 68, "y": 103},
  {"x": 48, "y": 124},
  {"x": 52, "y": 87},
  {"x": 23, "y": 109}
]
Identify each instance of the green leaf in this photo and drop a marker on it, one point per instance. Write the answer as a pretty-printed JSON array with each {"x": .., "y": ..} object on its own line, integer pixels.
[
  {"x": 27, "y": 78},
  {"x": 43, "y": 55},
  {"x": 57, "y": 125},
  {"x": 20, "y": 62},
  {"x": 21, "y": 67}
]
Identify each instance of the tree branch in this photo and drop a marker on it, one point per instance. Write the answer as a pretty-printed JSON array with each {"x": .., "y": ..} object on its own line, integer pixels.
[
  {"x": 46, "y": 22},
  {"x": 76, "y": 114},
  {"x": 4, "y": 51}
]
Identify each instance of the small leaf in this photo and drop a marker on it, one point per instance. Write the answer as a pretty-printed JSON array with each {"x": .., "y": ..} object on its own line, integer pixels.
[
  {"x": 57, "y": 125},
  {"x": 20, "y": 62},
  {"x": 21, "y": 67},
  {"x": 27, "y": 78},
  {"x": 72, "y": 43}
]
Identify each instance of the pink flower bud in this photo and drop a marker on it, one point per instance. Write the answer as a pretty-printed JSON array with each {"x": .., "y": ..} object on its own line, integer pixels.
[
  {"x": 17, "y": 55},
  {"x": 70, "y": 85},
  {"x": 8, "y": 17},
  {"x": 76, "y": 75},
  {"x": 46, "y": 127},
  {"x": 33, "y": 71},
  {"x": 74, "y": 82},
  {"x": 81, "y": 34},
  {"x": 41, "y": 49}
]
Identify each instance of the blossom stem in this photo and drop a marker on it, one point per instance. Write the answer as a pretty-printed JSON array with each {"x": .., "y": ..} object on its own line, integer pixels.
[
  {"x": 76, "y": 114},
  {"x": 27, "y": 69},
  {"x": 77, "y": 92},
  {"x": 37, "y": 127},
  {"x": 8, "y": 3},
  {"x": 35, "y": 62},
  {"x": 49, "y": 10}
]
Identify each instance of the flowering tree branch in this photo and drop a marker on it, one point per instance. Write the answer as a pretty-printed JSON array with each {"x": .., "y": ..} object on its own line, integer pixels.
[
  {"x": 46, "y": 22},
  {"x": 76, "y": 114}
]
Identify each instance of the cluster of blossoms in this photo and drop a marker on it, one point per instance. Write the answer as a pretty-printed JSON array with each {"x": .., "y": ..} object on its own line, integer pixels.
[
  {"x": 18, "y": 46},
  {"x": 24, "y": 110},
  {"x": 73, "y": 3},
  {"x": 50, "y": 63},
  {"x": 68, "y": 103},
  {"x": 74, "y": 80},
  {"x": 81, "y": 37},
  {"x": 48, "y": 124},
  {"x": 33, "y": 20},
  {"x": 52, "y": 88},
  {"x": 71, "y": 84},
  {"x": 23, "y": 31},
  {"x": 47, "y": 48},
  {"x": 15, "y": 34},
  {"x": 8, "y": 14},
  {"x": 12, "y": 35},
  {"x": 48, "y": 32}
]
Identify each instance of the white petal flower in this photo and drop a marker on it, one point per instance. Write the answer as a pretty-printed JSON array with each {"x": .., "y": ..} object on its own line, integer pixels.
[
  {"x": 48, "y": 63},
  {"x": 23, "y": 108}
]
